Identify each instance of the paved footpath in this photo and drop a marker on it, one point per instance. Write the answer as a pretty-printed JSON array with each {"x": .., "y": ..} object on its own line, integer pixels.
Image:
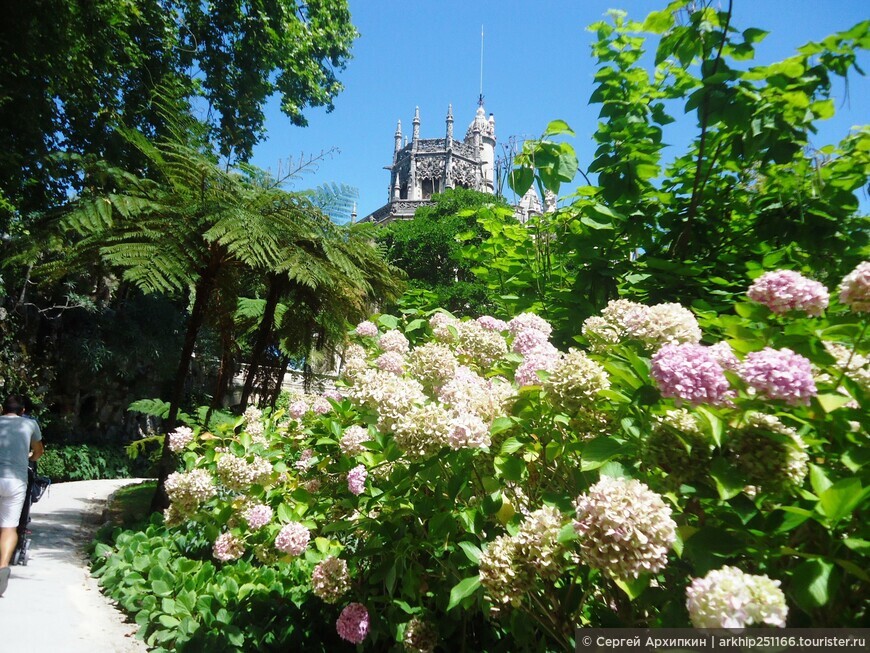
[{"x": 53, "y": 605}]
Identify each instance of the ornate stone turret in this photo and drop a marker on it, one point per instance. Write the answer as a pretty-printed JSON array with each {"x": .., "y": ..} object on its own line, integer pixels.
[{"x": 424, "y": 166}]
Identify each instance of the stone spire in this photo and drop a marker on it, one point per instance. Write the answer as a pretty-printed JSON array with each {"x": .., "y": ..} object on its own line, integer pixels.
[
  {"x": 416, "y": 134},
  {"x": 449, "y": 126},
  {"x": 398, "y": 137}
]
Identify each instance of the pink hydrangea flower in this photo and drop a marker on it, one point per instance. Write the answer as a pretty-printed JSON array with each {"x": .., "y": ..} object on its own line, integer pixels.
[
  {"x": 356, "y": 480},
  {"x": 855, "y": 288},
  {"x": 228, "y": 547},
  {"x": 293, "y": 538},
  {"x": 691, "y": 373},
  {"x": 544, "y": 358},
  {"x": 366, "y": 329},
  {"x": 394, "y": 340},
  {"x": 492, "y": 323},
  {"x": 257, "y": 515},
  {"x": 321, "y": 406},
  {"x": 353, "y": 623},
  {"x": 779, "y": 374},
  {"x": 529, "y": 321},
  {"x": 333, "y": 394},
  {"x": 297, "y": 409},
  {"x": 527, "y": 341},
  {"x": 391, "y": 361},
  {"x": 787, "y": 290}
]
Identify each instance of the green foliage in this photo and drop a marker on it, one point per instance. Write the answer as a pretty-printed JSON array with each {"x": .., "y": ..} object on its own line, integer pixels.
[
  {"x": 426, "y": 248},
  {"x": 184, "y": 602},
  {"x": 76, "y": 69},
  {"x": 433, "y": 510},
  {"x": 87, "y": 462},
  {"x": 749, "y": 187}
]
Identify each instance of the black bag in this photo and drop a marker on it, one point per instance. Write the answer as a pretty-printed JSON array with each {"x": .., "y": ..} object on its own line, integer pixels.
[{"x": 38, "y": 488}]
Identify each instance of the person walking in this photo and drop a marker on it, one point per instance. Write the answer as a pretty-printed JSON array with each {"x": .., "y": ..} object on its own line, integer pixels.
[{"x": 20, "y": 442}]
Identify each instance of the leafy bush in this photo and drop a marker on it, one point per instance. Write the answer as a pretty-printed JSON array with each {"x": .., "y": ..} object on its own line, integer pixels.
[
  {"x": 87, "y": 462},
  {"x": 476, "y": 487}
]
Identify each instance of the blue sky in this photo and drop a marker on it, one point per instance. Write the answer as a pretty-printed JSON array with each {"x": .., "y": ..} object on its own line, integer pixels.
[{"x": 537, "y": 68}]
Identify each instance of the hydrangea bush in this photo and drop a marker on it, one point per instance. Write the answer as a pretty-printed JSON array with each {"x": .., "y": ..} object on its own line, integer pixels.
[{"x": 471, "y": 483}]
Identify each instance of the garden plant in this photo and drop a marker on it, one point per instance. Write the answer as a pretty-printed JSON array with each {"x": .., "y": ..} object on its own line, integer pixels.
[{"x": 470, "y": 486}]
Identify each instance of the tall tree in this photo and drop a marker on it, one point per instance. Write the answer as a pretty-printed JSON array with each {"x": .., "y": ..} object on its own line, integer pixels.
[{"x": 75, "y": 68}]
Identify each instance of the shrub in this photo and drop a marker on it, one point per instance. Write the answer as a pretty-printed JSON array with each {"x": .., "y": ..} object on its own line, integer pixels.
[
  {"x": 87, "y": 462},
  {"x": 479, "y": 509}
]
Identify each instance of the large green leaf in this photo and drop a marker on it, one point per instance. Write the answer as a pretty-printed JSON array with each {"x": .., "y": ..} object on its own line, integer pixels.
[{"x": 462, "y": 590}]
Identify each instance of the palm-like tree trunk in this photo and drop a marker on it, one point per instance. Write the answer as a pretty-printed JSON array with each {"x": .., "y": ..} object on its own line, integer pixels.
[
  {"x": 264, "y": 332},
  {"x": 202, "y": 295}
]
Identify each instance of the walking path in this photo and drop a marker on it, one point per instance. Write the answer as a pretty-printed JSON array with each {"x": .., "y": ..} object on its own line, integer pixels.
[{"x": 53, "y": 605}]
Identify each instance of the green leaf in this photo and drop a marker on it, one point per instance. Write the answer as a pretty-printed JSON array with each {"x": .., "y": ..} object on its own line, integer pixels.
[
  {"x": 831, "y": 402},
  {"x": 472, "y": 551},
  {"x": 633, "y": 587},
  {"x": 167, "y": 621},
  {"x": 500, "y": 424},
  {"x": 558, "y": 127},
  {"x": 729, "y": 482},
  {"x": 510, "y": 445},
  {"x": 659, "y": 22},
  {"x": 597, "y": 452},
  {"x": 510, "y": 468},
  {"x": 813, "y": 582},
  {"x": 388, "y": 321},
  {"x": 841, "y": 498},
  {"x": 161, "y": 588},
  {"x": 819, "y": 480},
  {"x": 462, "y": 590}
]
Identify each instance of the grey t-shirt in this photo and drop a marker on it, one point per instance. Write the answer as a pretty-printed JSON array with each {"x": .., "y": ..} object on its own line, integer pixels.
[{"x": 17, "y": 436}]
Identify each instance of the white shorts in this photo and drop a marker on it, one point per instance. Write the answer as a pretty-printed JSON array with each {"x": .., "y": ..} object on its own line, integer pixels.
[{"x": 12, "y": 493}]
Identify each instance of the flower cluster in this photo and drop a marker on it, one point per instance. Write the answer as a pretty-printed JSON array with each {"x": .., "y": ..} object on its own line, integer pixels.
[
  {"x": 366, "y": 329},
  {"x": 576, "y": 380},
  {"x": 468, "y": 430},
  {"x": 238, "y": 474},
  {"x": 353, "y": 623},
  {"x": 392, "y": 396},
  {"x": 540, "y": 359},
  {"x": 351, "y": 443},
  {"x": 851, "y": 363},
  {"x": 677, "y": 446},
  {"x": 391, "y": 361},
  {"x": 356, "y": 480},
  {"x": 321, "y": 405},
  {"x": 420, "y": 636},
  {"x": 786, "y": 290},
  {"x": 468, "y": 392},
  {"x": 855, "y": 288},
  {"x": 394, "y": 340},
  {"x": 180, "y": 438},
  {"x": 625, "y": 527},
  {"x": 511, "y": 565},
  {"x": 491, "y": 323},
  {"x": 731, "y": 598},
  {"x": 228, "y": 547},
  {"x": 187, "y": 490},
  {"x": 526, "y": 321},
  {"x": 770, "y": 454},
  {"x": 779, "y": 374},
  {"x": 432, "y": 364},
  {"x": 293, "y": 538},
  {"x": 690, "y": 373},
  {"x": 330, "y": 579},
  {"x": 663, "y": 324},
  {"x": 478, "y": 345},
  {"x": 655, "y": 326},
  {"x": 257, "y": 515},
  {"x": 297, "y": 409},
  {"x": 422, "y": 430}
]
